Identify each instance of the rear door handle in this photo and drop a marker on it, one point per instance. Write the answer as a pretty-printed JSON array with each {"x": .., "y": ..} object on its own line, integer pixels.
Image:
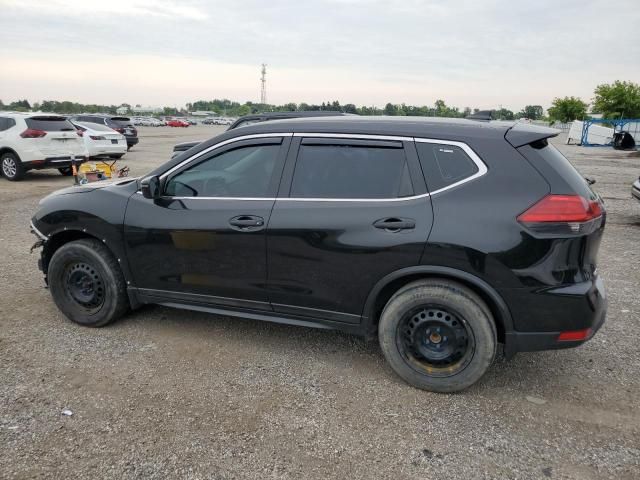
[
  {"x": 395, "y": 224},
  {"x": 247, "y": 223}
]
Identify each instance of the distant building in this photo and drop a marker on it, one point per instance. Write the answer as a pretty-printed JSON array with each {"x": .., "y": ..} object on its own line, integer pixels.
[
  {"x": 203, "y": 113},
  {"x": 122, "y": 110},
  {"x": 147, "y": 110}
]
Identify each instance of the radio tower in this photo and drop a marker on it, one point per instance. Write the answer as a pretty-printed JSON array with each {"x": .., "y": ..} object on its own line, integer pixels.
[{"x": 263, "y": 81}]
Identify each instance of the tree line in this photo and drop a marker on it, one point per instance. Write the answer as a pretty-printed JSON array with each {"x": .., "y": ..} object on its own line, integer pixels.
[{"x": 615, "y": 100}]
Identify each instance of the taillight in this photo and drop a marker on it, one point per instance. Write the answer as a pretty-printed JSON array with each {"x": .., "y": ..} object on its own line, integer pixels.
[
  {"x": 33, "y": 133},
  {"x": 96, "y": 137},
  {"x": 559, "y": 214},
  {"x": 80, "y": 133},
  {"x": 119, "y": 129}
]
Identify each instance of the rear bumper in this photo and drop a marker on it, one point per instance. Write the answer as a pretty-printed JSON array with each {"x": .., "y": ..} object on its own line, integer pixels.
[
  {"x": 53, "y": 162},
  {"x": 578, "y": 308}
]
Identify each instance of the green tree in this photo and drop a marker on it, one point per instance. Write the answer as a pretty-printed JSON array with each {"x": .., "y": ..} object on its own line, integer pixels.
[
  {"x": 502, "y": 114},
  {"x": 390, "y": 109},
  {"x": 619, "y": 99},
  {"x": 532, "y": 112},
  {"x": 567, "y": 109}
]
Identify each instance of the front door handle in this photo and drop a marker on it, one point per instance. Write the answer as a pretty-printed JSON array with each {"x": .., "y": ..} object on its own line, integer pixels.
[
  {"x": 395, "y": 224},
  {"x": 246, "y": 223}
]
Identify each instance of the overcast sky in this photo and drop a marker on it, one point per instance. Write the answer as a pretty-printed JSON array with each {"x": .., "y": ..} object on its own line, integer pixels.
[{"x": 481, "y": 53}]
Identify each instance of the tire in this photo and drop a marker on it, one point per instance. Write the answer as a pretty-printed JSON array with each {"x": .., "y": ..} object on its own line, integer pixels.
[
  {"x": 87, "y": 284},
  {"x": 116, "y": 156},
  {"x": 438, "y": 335},
  {"x": 11, "y": 167},
  {"x": 66, "y": 171}
]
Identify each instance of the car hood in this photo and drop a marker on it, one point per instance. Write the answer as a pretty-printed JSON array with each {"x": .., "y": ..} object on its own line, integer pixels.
[{"x": 90, "y": 187}]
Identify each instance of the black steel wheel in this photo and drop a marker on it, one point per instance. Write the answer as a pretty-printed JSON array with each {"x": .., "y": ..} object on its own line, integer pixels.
[
  {"x": 87, "y": 284},
  {"x": 84, "y": 285},
  {"x": 437, "y": 335},
  {"x": 435, "y": 341}
]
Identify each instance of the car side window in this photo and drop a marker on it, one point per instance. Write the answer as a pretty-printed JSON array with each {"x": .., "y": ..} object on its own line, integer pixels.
[
  {"x": 350, "y": 171},
  {"x": 3, "y": 124},
  {"x": 242, "y": 172},
  {"x": 444, "y": 165}
]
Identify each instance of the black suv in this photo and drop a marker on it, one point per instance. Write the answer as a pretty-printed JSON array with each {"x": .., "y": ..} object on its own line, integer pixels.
[
  {"x": 257, "y": 118},
  {"x": 122, "y": 125},
  {"x": 442, "y": 237}
]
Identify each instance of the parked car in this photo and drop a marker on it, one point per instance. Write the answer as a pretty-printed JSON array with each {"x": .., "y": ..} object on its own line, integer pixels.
[
  {"x": 177, "y": 123},
  {"x": 209, "y": 121},
  {"x": 101, "y": 140},
  {"x": 35, "y": 141},
  {"x": 121, "y": 125},
  {"x": 635, "y": 189},
  {"x": 251, "y": 119},
  {"x": 442, "y": 237}
]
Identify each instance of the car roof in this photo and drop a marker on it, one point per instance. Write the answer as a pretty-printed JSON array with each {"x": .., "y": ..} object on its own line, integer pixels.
[
  {"x": 31, "y": 114},
  {"x": 449, "y": 129},
  {"x": 426, "y": 127}
]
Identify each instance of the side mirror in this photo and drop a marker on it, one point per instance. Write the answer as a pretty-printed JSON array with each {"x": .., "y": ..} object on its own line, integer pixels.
[{"x": 150, "y": 187}]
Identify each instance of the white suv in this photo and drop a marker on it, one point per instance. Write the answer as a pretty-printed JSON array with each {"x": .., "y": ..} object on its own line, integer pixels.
[{"x": 33, "y": 141}]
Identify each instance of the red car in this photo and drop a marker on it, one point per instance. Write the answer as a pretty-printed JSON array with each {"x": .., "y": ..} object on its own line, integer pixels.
[{"x": 177, "y": 123}]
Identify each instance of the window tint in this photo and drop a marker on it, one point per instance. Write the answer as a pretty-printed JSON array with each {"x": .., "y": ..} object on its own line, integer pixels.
[
  {"x": 4, "y": 122},
  {"x": 243, "y": 172},
  {"x": 49, "y": 124},
  {"x": 345, "y": 171},
  {"x": 444, "y": 165}
]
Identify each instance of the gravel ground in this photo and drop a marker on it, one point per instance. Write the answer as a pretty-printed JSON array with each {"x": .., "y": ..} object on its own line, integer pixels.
[{"x": 174, "y": 394}]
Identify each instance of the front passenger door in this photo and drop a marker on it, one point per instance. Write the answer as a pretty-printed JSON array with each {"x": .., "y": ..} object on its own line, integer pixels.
[{"x": 204, "y": 241}]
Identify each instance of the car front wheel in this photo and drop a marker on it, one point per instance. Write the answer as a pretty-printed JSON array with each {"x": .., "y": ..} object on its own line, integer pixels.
[
  {"x": 438, "y": 335},
  {"x": 66, "y": 171},
  {"x": 12, "y": 168},
  {"x": 87, "y": 284}
]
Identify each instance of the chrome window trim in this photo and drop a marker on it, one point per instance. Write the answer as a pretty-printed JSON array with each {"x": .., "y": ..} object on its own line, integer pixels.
[
  {"x": 222, "y": 144},
  {"x": 482, "y": 167}
]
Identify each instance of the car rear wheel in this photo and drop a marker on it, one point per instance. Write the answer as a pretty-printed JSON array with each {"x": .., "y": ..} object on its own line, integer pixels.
[
  {"x": 438, "y": 335},
  {"x": 87, "y": 284},
  {"x": 66, "y": 171},
  {"x": 12, "y": 168}
]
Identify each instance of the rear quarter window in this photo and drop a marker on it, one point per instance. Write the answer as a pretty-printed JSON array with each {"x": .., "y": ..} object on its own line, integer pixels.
[{"x": 444, "y": 165}]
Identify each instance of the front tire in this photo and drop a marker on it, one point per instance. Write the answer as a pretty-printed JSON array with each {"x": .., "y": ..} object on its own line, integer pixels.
[
  {"x": 11, "y": 167},
  {"x": 66, "y": 171},
  {"x": 438, "y": 335},
  {"x": 87, "y": 284}
]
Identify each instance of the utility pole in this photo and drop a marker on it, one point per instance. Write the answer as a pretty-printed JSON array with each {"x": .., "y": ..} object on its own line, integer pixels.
[{"x": 263, "y": 81}]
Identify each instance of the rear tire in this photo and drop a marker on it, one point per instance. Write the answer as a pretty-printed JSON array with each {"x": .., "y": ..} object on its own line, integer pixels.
[
  {"x": 66, "y": 171},
  {"x": 11, "y": 167},
  {"x": 87, "y": 284},
  {"x": 438, "y": 335}
]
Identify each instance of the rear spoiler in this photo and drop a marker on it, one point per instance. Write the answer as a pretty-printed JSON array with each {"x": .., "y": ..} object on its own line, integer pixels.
[{"x": 524, "y": 133}]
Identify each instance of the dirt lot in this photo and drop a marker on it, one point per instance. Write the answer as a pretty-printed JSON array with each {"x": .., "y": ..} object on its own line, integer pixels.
[{"x": 174, "y": 394}]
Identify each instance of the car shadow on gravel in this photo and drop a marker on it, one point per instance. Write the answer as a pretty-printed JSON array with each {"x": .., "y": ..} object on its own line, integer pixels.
[{"x": 201, "y": 331}]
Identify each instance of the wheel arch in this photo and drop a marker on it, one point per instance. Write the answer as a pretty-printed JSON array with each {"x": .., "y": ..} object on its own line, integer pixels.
[
  {"x": 391, "y": 283},
  {"x": 4, "y": 150},
  {"x": 62, "y": 237}
]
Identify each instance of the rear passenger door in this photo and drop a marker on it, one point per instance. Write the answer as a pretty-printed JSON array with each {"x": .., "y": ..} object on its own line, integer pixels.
[{"x": 349, "y": 211}]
